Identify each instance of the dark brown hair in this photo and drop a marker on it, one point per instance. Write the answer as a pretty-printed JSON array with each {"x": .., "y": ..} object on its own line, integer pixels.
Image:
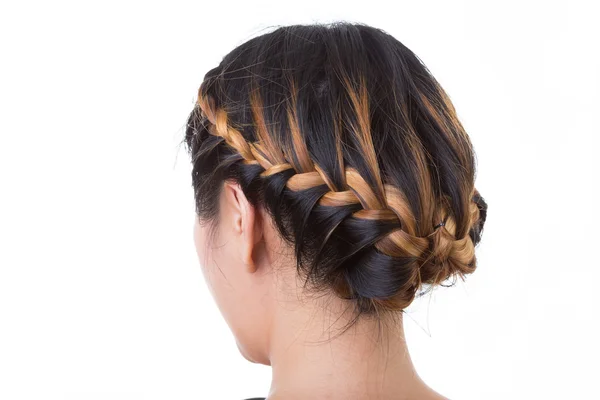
[{"x": 342, "y": 134}]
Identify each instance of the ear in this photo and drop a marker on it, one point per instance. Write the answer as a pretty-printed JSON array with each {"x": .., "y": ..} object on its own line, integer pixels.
[{"x": 246, "y": 223}]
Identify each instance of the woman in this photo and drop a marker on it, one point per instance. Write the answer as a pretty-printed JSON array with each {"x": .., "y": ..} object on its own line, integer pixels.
[{"x": 333, "y": 182}]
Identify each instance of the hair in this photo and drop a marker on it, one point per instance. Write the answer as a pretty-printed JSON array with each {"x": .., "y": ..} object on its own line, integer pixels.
[{"x": 343, "y": 135}]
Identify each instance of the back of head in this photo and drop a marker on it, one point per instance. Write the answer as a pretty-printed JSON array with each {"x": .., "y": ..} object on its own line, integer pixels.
[{"x": 342, "y": 134}]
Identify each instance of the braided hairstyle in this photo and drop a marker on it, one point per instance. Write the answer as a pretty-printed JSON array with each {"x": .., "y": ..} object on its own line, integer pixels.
[{"x": 342, "y": 134}]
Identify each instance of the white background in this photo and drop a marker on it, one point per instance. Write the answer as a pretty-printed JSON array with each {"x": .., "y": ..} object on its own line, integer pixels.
[{"x": 101, "y": 294}]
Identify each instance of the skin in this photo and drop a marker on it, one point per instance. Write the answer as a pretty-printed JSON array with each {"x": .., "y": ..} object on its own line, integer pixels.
[{"x": 251, "y": 274}]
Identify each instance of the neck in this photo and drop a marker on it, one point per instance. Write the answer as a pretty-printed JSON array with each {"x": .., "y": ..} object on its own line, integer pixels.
[{"x": 313, "y": 356}]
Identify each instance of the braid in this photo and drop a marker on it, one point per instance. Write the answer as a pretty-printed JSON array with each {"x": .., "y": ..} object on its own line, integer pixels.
[{"x": 430, "y": 257}]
